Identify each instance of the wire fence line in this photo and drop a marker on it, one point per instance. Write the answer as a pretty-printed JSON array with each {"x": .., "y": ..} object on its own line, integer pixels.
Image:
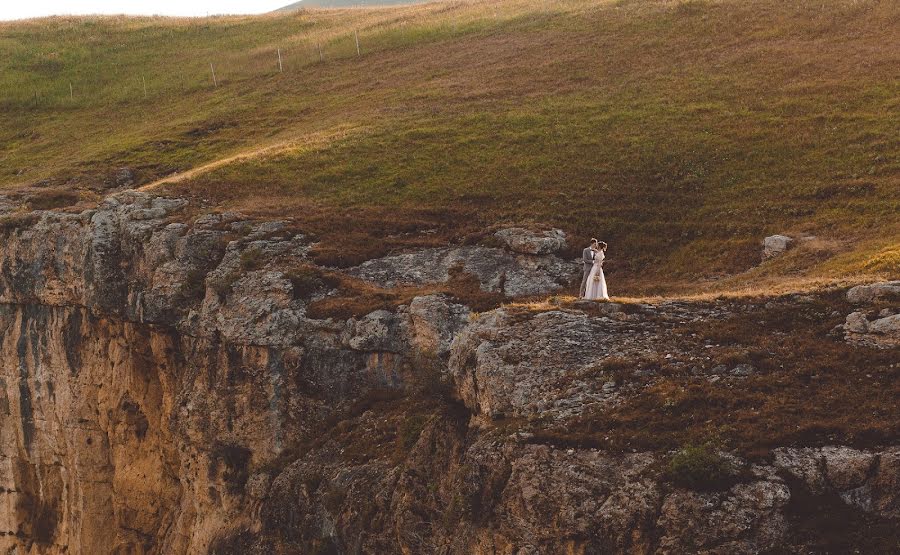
[
  {"x": 113, "y": 83},
  {"x": 84, "y": 88}
]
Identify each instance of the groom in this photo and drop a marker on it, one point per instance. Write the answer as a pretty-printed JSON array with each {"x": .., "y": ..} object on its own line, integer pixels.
[{"x": 587, "y": 256}]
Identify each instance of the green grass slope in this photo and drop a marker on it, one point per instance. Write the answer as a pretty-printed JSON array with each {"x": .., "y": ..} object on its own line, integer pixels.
[{"x": 680, "y": 132}]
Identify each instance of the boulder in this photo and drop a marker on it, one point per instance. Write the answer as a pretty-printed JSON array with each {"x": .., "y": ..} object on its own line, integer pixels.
[
  {"x": 598, "y": 503},
  {"x": 869, "y": 481},
  {"x": 872, "y": 292},
  {"x": 502, "y": 367},
  {"x": 889, "y": 325},
  {"x": 749, "y": 518},
  {"x": 804, "y": 465},
  {"x": 857, "y": 323},
  {"x": 380, "y": 330},
  {"x": 434, "y": 322},
  {"x": 877, "y": 481},
  {"x": 124, "y": 177},
  {"x": 881, "y": 332},
  {"x": 775, "y": 245},
  {"x": 743, "y": 370},
  {"x": 497, "y": 270},
  {"x": 507, "y": 363},
  {"x": 523, "y": 241},
  {"x": 846, "y": 468}
]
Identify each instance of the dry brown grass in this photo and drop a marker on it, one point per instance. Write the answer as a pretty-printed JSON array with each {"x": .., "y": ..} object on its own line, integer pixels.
[
  {"x": 727, "y": 289},
  {"x": 809, "y": 390},
  {"x": 356, "y": 298}
]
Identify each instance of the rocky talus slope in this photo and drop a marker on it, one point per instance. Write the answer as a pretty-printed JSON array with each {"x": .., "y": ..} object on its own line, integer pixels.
[{"x": 171, "y": 387}]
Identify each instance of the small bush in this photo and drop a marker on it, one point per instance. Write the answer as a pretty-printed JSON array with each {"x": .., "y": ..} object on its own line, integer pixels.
[
  {"x": 194, "y": 285},
  {"x": 433, "y": 383},
  {"x": 223, "y": 284},
  {"x": 252, "y": 259},
  {"x": 307, "y": 280},
  {"x": 700, "y": 468},
  {"x": 410, "y": 430},
  {"x": 53, "y": 198},
  {"x": 17, "y": 221}
]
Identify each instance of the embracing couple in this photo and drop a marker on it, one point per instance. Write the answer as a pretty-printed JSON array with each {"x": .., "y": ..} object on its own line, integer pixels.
[{"x": 593, "y": 284}]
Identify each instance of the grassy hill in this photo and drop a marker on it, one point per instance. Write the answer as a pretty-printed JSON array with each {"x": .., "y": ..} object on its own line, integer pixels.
[
  {"x": 680, "y": 132},
  {"x": 343, "y": 4}
]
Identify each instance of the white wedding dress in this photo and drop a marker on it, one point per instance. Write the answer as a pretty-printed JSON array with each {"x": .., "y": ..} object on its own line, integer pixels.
[{"x": 596, "y": 283}]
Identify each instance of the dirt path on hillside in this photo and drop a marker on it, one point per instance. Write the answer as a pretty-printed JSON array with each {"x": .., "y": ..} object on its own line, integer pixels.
[{"x": 306, "y": 142}]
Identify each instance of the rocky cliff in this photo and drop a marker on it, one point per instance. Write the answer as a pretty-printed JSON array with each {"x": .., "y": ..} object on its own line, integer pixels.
[{"x": 183, "y": 383}]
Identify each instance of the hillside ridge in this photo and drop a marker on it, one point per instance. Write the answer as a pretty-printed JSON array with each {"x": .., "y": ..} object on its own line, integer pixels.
[
  {"x": 306, "y": 4},
  {"x": 682, "y": 133}
]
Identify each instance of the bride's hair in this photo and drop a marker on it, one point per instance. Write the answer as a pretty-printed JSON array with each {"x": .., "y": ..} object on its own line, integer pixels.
[{"x": 602, "y": 244}]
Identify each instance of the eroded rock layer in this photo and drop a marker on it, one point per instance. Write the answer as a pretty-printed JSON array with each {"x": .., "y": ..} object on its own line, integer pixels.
[{"x": 167, "y": 387}]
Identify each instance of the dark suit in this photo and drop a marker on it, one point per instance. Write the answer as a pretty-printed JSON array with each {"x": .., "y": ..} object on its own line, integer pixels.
[{"x": 587, "y": 256}]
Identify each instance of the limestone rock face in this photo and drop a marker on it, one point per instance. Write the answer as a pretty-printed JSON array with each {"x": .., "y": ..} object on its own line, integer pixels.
[
  {"x": 551, "y": 364},
  {"x": 601, "y": 502},
  {"x": 776, "y": 245},
  {"x": 491, "y": 362},
  {"x": 497, "y": 270},
  {"x": 148, "y": 365},
  {"x": 494, "y": 492},
  {"x": 889, "y": 325},
  {"x": 163, "y": 390},
  {"x": 857, "y": 323},
  {"x": 523, "y": 241},
  {"x": 746, "y": 519},
  {"x": 434, "y": 323},
  {"x": 861, "y": 294},
  {"x": 89, "y": 446},
  {"x": 882, "y": 332},
  {"x": 863, "y": 479}
]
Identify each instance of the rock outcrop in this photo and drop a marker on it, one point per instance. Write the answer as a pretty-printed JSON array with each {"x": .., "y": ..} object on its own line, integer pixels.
[
  {"x": 749, "y": 518},
  {"x": 776, "y": 245},
  {"x": 867, "y": 480},
  {"x": 164, "y": 389},
  {"x": 524, "y": 241},
  {"x": 498, "y": 270},
  {"x": 880, "y": 332},
  {"x": 885, "y": 291}
]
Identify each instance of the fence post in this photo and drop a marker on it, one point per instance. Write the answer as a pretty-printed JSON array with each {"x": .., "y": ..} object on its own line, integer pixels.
[
  {"x": 71, "y": 92},
  {"x": 319, "y": 48},
  {"x": 280, "y": 67},
  {"x": 356, "y": 35},
  {"x": 215, "y": 82},
  {"x": 144, "y": 82}
]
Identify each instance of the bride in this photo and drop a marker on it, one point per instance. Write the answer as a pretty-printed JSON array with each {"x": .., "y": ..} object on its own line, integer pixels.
[{"x": 596, "y": 282}]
